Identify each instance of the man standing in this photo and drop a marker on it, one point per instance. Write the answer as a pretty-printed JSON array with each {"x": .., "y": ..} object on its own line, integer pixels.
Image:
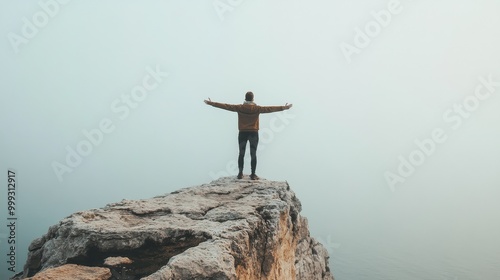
[{"x": 248, "y": 126}]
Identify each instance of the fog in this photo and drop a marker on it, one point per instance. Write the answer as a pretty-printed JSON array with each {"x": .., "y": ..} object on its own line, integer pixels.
[{"x": 391, "y": 145}]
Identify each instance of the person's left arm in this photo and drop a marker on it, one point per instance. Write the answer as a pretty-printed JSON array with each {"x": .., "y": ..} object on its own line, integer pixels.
[{"x": 229, "y": 107}]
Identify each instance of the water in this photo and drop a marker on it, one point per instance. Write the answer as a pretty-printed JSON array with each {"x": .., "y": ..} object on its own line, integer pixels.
[{"x": 417, "y": 261}]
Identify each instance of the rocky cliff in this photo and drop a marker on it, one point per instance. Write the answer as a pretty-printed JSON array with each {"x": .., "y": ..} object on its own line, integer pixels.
[{"x": 227, "y": 229}]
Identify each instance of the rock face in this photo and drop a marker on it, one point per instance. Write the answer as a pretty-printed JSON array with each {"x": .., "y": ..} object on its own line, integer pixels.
[
  {"x": 73, "y": 271},
  {"x": 227, "y": 229}
]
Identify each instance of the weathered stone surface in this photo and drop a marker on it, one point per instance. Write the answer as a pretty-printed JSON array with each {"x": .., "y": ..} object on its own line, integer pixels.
[
  {"x": 227, "y": 229},
  {"x": 116, "y": 261},
  {"x": 74, "y": 272}
]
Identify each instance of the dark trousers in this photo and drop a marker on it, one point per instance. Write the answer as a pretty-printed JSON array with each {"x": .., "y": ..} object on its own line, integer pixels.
[{"x": 253, "y": 138}]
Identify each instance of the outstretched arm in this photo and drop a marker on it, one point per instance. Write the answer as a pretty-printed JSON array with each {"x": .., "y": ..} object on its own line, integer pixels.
[
  {"x": 271, "y": 109},
  {"x": 229, "y": 107}
]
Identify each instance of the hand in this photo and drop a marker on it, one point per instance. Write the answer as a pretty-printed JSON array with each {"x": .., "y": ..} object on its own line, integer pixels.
[
  {"x": 288, "y": 106},
  {"x": 208, "y": 101}
]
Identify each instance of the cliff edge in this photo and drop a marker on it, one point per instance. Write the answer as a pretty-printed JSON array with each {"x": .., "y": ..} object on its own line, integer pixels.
[{"x": 227, "y": 229}]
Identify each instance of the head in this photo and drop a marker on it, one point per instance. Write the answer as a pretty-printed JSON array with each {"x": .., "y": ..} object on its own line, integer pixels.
[{"x": 249, "y": 96}]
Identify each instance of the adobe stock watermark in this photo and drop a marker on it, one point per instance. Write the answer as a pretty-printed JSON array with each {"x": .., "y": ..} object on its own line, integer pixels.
[
  {"x": 329, "y": 244},
  {"x": 222, "y": 7},
  {"x": 364, "y": 36},
  {"x": 455, "y": 116},
  {"x": 31, "y": 27},
  {"x": 121, "y": 107},
  {"x": 450, "y": 278},
  {"x": 277, "y": 124}
]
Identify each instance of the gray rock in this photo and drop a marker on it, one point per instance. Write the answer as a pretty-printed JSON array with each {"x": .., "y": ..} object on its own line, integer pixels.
[{"x": 227, "y": 229}]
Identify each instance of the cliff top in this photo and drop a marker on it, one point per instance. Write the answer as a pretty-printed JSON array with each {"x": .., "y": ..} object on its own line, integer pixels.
[{"x": 227, "y": 229}]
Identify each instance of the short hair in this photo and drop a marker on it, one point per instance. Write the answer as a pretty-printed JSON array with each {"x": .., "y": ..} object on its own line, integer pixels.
[{"x": 249, "y": 96}]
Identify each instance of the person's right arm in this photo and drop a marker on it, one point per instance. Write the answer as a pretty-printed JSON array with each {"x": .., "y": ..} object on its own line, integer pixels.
[{"x": 271, "y": 109}]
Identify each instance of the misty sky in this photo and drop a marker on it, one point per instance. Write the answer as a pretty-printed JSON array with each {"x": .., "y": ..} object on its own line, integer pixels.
[{"x": 392, "y": 145}]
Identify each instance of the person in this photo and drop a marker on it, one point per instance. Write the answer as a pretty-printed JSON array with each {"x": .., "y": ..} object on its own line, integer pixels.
[{"x": 248, "y": 126}]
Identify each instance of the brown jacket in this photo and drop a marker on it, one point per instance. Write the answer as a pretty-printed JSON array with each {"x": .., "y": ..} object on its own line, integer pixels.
[{"x": 248, "y": 114}]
